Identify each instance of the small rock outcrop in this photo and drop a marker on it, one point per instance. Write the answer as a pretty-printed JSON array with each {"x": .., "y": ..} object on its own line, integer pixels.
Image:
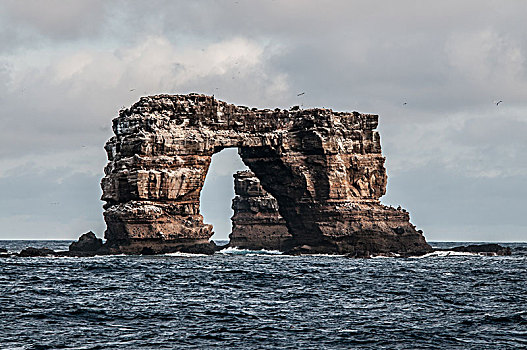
[
  {"x": 33, "y": 252},
  {"x": 256, "y": 223},
  {"x": 485, "y": 249},
  {"x": 88, "y": 243},
  {"x": 325, "y": 170}
]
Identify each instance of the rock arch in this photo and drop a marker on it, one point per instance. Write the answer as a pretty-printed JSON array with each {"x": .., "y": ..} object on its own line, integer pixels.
[{"x": 324, "y": 168}]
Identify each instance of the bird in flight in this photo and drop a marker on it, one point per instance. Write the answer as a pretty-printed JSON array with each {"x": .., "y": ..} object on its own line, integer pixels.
[
  {"x": 498, "y": 102},
  {"x": 300, "y": 94},
  {"x": 132, "y": 89},
  {"x": 404, "y": 103}
]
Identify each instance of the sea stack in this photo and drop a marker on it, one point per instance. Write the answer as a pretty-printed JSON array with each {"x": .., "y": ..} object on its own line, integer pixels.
[
  {"x": 325, "y": 170},
  {"x": 256, "y": 223}
]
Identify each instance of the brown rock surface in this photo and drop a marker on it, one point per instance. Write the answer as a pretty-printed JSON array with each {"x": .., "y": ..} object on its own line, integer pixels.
[
  {"x": 325, "y": 170},
  {"x": 256, "y": 223}
]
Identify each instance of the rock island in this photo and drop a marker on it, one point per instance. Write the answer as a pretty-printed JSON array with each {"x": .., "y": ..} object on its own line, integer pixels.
[{"x": 314, "y": 187}]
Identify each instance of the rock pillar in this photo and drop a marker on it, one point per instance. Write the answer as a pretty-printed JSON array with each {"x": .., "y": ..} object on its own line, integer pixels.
[{"x": 256, "y": 223}]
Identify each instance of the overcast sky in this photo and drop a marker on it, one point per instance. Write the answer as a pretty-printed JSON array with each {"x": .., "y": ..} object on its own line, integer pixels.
[{"x": 455, "y": 160}]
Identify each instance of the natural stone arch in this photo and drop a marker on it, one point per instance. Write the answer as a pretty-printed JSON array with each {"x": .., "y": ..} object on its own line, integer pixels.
[{"x": 324, "y": 168}]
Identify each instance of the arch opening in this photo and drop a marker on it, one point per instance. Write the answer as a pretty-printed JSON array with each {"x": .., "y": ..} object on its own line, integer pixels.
[
  {"x": 218, "y": 192},
  {"x": 233, "y": 200}
]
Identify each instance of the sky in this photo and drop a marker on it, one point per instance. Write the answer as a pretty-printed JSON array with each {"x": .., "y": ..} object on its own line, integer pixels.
[{"x": 432, "y": 70}]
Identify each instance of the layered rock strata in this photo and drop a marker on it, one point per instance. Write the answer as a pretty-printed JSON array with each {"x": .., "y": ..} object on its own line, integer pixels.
[
  {"x": 324, "y": 168},
  {"x": 256, "y": 223}
]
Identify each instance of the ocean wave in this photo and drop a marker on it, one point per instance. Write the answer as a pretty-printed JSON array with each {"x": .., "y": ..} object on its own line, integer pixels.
[
  {"x": 240, "y": 251},
  {"x": 384, "y": 256},
  {"x": 447, "y": 253},
  {"x": 325, "y": 255},
  {"x": 180, "y": 254},
  {"x": 266, "y": 302}
]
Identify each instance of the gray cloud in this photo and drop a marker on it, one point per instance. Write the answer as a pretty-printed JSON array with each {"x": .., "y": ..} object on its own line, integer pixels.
[
  {"x": 452, "y": 207},
  {"x": 67, "y": 68},
  {"x": 55, "y": 203},
  {"x": 53, "y": 19}
]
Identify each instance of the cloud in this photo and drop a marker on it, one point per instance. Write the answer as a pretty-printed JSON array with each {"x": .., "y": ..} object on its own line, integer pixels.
[
  {"x": 489, "y": 63},
  {"x": 54, "y": 19},
  {"x": 484, "y": 144},
  {"x": 71, "y": 97},
  {"x": 58, "y": 203},
  {"x": 67, "y": 68},
  {"x": 451, "y": 206},
  {"x": 57, "y": 111}
]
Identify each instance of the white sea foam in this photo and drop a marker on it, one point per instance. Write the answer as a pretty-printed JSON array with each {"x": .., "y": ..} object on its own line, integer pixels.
[
  {"x": 239, "y": 251},
  {"x": 184, "y": 254},
  {"x": 446, "y": 253},
  {"x": 384, "y": 256},
  {"x": 325, "y": 255}
]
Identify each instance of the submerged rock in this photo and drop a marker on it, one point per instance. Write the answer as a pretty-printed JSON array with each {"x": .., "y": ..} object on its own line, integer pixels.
[
  {"x": 486, "y": 249},
  {"x": 364, "y": 254},
  {"x": 203, "y": 248},
  {"x": 299, "y": 250},
  {"x": 32, "y": 252},
  {"x": 154, "y": 247},
  {"x": 4, "y": 253}
]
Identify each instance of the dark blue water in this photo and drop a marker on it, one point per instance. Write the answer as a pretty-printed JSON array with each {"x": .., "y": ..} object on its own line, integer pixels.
[{"x": 262, "y": 301}]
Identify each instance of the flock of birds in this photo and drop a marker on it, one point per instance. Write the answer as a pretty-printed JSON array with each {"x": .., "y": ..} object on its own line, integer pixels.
[{"x": 497, "y": 103}]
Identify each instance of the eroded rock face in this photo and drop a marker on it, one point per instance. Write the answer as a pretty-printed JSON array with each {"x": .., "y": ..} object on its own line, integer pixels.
[
  {"x": 256, "y": 223},
  {"x": 325, "y": 170}
]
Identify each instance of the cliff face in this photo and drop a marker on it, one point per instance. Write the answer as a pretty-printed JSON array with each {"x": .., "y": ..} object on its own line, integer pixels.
[
  {"x": 325, "y": 170},
  {"x": 256, "y": 223}
]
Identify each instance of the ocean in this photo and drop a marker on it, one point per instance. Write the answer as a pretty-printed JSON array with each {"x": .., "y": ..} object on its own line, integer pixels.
[{"x": 263, "y": 300}]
